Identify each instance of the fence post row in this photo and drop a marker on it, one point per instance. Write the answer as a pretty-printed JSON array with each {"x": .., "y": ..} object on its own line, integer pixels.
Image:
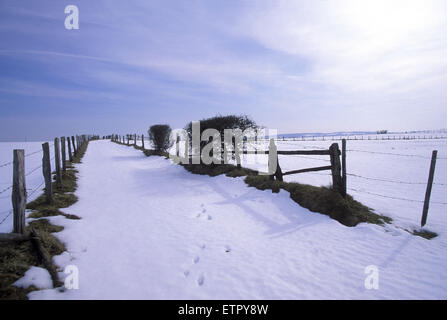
[
  {"x": 46, "y": 170},
  {"x": 57, "y": 160},
  {"x": 429, "y": 187},
  {"x": 18, "y": 196},
  {"x": 142, "y": 140}
]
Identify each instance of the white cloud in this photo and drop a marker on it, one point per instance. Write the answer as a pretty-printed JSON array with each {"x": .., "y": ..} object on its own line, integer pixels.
[{"x": 357, "y": 45}]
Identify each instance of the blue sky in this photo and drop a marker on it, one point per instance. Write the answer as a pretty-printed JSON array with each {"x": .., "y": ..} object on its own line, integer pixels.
[{"x": 295, "y": 66}]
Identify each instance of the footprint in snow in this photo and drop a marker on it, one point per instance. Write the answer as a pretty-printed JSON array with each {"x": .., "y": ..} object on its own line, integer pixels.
[
  {"x": 186, "y": 273},
  {"x": 227, "y": 249},
  {"x": 207, "y": 216},
  {"x": 203, "y": 210},
  {"x": 200, "y": 280},
  {"x": 196, "y": 259}
]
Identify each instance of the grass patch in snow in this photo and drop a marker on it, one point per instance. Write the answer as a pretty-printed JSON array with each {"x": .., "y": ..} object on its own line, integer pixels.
[
  {"x": 81, "y": 151},
  {"x": 424, "y": 233},
  {"x": 17, "y": 257},
  {"x": 324, "y": 200},
  {"x": 147, "y": 152},
  {"x": 68, "y": 182},
  {"x": 214, "y": 170},
  {"x": 150, "y": 152},
  {"x": 60, "y": 200}
]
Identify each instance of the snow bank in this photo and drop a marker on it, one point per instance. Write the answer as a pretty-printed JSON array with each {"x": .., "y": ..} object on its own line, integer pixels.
[{"x": 35, "y": 276}]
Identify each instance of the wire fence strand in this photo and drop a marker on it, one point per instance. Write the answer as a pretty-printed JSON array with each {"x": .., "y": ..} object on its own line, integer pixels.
[
  {"x": 33, "y": 170},
  {"x": 394, "y": 154},
  {"x": 36, "y": 189},
  {"x": 393, "y": 181},
  {"x": 6, "y": 164},
  {"x": 395, "y": 198},
  {"x": 9, "y": 213},
  {"x": 33, "y": 153},
  {"x": 6, "y": 189}
]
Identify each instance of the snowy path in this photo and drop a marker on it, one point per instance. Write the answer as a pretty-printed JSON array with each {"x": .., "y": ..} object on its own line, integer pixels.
[{"x": 151, "y": 230}]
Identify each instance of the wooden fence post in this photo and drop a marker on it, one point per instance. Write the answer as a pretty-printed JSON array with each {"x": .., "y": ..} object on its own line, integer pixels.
[
  {"x": 46, "y": 170},
  {"x": 273, "y": 159},
  {"x": 64, "y": 159},
  {"x": 186, "y": 152},
  {"x": 177, "y": 146},
  {"x": 429, "y": 187},
  {"x": 237, "y": 155},
  {"x": 74, "y": 146},
  {"x": 343, "y": 166},
  {"x": 135, "y": 139},
  {"x": 334, "y": 152},
  {"x": 57, "y": 160},
  {"x": 19, "y": 191},
  {"x": 70, "y": 155},
  {"x": 278, "y": 173},
  {"x": 142, "y": 141}
]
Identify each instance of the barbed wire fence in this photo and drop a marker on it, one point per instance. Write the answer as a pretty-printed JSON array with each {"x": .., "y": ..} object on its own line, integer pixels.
[
  {"x": 307, "y": 144},
  {"x": 366, "y": 137},
  {"x": 30, "y": 191},
  {"x": 6, "y": 192}
]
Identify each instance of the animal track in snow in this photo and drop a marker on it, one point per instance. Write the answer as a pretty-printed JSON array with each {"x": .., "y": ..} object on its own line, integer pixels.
[
  {"x": 200, "y": 280},
  {"x": 204, "y": 216},
  {"x": 196, "y": 259}
]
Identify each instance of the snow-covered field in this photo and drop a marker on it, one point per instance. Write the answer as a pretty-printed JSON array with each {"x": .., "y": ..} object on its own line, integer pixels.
[
  {"x": 378, "y": 171},
  {"x": 152, "y": 230},
  {"x": 34, "y": 178}
]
